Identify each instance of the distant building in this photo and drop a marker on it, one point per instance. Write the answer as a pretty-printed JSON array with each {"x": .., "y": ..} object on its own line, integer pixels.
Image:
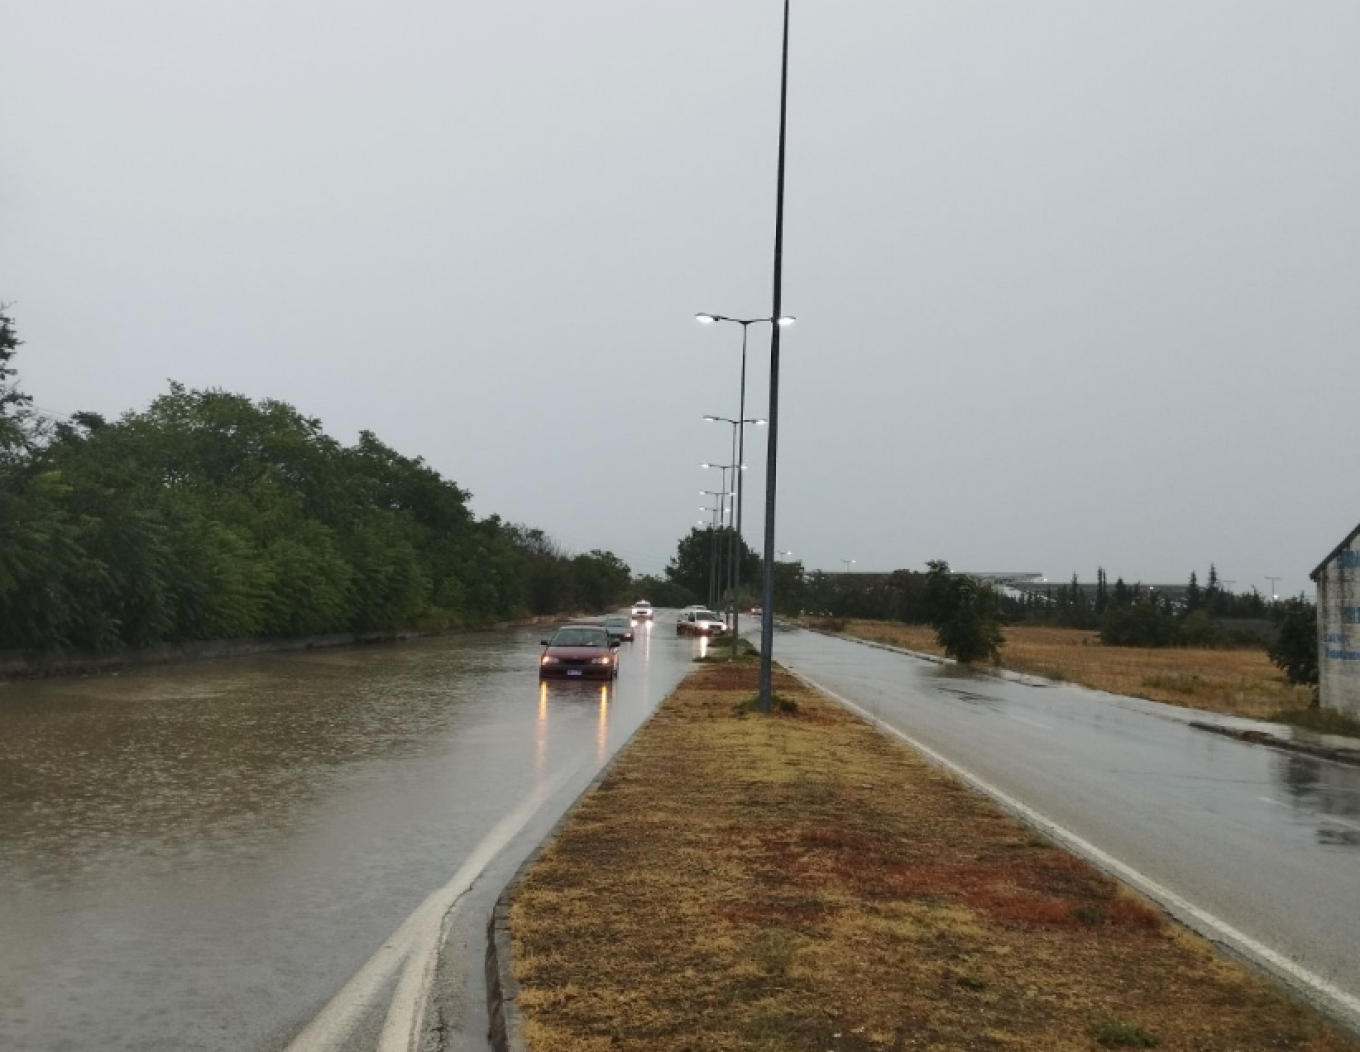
[{"x": 1338, "y": 605}]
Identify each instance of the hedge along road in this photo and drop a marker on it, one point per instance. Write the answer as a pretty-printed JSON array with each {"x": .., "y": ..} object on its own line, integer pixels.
[
  {"x": 1255, "y": 847},
  {"x": 262, "y": 853}
]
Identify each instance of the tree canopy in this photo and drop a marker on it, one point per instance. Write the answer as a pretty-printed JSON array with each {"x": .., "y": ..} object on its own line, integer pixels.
[
  {"x": 208, "y": 515},
  {"x": 964, "y": 613}
]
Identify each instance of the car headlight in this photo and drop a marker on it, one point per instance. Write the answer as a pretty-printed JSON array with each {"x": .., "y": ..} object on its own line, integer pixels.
[
  {"x": 548, "y": 659},
  {"x": 601, "y": 660}
]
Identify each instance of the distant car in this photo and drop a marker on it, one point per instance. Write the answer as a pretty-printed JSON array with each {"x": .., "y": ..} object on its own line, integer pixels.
[
  {"x": 642, "y": 610},
  {"x": 619, "y": 626},
  {"x": 579, "y": 652},
  {"x": 699, "y": 622}
]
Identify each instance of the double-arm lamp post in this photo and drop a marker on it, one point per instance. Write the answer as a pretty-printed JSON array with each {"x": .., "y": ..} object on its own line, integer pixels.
[{"x": 739, "y": 432}]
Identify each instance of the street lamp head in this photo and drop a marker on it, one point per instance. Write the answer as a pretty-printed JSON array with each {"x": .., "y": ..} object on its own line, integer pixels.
[
  {"x": 758, "y": 423},
  {"x": 707, "y": 319},
  {"x": 786, "y": 321}
]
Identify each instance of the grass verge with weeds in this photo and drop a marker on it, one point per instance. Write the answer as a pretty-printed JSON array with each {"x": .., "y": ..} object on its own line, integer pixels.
[
  {"x": 1324, "y": 721},
  {"x": 802, "y": 882}
]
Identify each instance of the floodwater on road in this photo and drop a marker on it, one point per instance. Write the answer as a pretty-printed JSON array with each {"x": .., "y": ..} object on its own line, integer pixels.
[{"x": 200, "y": 856}]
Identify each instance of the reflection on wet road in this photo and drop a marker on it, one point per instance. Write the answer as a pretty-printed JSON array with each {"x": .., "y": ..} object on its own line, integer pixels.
[
  {"x": 1266, "y": 841},
  {"x": 200, "y": 857}
]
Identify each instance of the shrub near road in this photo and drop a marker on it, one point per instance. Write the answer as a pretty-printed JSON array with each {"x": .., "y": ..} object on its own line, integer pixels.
[{"x": 804, "y": 882}]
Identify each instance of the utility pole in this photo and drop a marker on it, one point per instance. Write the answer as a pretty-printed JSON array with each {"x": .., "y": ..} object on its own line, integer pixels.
[{"x": 1273, "y": 593}]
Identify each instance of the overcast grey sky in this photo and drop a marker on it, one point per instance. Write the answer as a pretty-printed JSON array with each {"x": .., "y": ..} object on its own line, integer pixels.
[{"x": 1078, "y": 283}]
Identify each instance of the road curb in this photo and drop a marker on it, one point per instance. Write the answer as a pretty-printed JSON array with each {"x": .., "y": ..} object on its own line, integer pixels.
[
  {"x": 506, "y": 1031},
  {"x": 1322, "y": 752},
  {"x": 502, "y": 991}
]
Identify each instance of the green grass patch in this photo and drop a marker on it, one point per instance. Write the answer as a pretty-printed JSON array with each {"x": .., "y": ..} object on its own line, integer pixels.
[
  {"x": 778, "y": 703},
  {"x": 720, "y": 652},
  {"x": 1115, "y": 1033}
]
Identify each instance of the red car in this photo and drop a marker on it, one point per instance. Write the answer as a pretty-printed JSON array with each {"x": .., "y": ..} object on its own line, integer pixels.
[{"x": 579, "y": 652}]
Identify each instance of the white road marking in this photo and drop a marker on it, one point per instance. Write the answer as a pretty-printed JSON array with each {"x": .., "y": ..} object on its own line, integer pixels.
[
  {"x": 1338, "y": 1000},
  {"x": 416, "y": 944}
]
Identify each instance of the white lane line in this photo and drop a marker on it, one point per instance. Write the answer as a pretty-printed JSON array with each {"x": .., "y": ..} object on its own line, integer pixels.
[
  {"x": 415, "y": 943},
  {"x": 1032, "y": 723},
  {"x": 1340, "y": 1001},
  {"x": 1311, "y": 814}
]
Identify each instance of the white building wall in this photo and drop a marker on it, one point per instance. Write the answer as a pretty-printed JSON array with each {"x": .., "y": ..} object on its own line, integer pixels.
[{"x": 1338, "y": 598}]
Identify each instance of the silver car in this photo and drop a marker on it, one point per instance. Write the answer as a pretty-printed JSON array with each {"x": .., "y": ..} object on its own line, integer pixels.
[{"x": 699, "y": 622}]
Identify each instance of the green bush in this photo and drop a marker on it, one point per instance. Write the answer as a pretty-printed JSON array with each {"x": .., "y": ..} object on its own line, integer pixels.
[{"x": 1142, "y": 625}]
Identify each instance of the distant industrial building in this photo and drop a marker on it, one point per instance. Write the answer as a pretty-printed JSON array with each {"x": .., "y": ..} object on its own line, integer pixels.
[{"x": 1338, "y": 609}]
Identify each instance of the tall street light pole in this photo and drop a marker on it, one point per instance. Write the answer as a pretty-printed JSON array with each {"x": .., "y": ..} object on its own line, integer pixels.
[
  {"x": 766, "y": 699},
  {"x": 848, "y": 563}
]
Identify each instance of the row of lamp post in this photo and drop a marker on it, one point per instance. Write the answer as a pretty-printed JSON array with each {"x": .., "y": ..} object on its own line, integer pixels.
[
  {"x": 739, "y": 424},
  {"x": 777, "y": 320}
]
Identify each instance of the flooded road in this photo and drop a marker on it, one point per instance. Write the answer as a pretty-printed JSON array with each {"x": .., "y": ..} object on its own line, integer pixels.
[{"x": 200, "y": 857}]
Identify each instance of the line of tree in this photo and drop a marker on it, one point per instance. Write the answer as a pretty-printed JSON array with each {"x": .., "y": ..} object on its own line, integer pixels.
[
  {"x": 211, "y": 516},
  {"x": 1076, "y": 606},
  {"x": 1125, "y": 615}
]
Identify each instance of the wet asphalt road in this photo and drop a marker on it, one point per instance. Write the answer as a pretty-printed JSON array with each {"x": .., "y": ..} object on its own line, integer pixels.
[
  {"x": 202, "y": 857},
  {"x": 1264, "y": 841},
  {"x": 213, "y": 856}
]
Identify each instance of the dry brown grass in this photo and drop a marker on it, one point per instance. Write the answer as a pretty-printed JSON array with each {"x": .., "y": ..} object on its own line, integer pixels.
[
  {"x": 803, "y": 882},
  {"x": 1240, "y": 682}
]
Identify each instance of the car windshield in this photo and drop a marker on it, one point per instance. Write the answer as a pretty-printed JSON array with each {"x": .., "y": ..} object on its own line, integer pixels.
[
  {"x": 579, "y": 637},
  {"x": 706, "y": 615},
  {"x": 615, "y": 622}
]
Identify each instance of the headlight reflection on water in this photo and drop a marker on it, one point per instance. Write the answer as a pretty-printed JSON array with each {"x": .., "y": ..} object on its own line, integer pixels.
[
  {"x": 541, "y": 732},
  {"x": 602, "y": 728}
]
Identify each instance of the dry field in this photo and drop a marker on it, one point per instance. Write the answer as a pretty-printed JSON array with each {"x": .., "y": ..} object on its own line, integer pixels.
[
  {"x": 1240, "y": 682},
  {"x": 803, "y": 882}
]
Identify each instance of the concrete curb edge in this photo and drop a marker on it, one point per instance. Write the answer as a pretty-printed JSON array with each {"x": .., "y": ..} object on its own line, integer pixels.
[
  {"x": 1322, "y": 752},
  {"x": 502, "y": 991}
]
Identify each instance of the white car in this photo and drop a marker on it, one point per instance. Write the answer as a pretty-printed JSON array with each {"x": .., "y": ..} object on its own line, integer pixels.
[
  {"x": 642, "y": 610},
  {"x": 699, "y": 622}
]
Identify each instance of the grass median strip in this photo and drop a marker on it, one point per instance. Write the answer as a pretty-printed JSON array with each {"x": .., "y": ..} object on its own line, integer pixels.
[{"x": 801, "y": 881}]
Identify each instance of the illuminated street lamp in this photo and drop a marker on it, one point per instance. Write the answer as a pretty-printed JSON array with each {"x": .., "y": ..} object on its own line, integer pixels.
[{"x": 725, "y": 468}]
